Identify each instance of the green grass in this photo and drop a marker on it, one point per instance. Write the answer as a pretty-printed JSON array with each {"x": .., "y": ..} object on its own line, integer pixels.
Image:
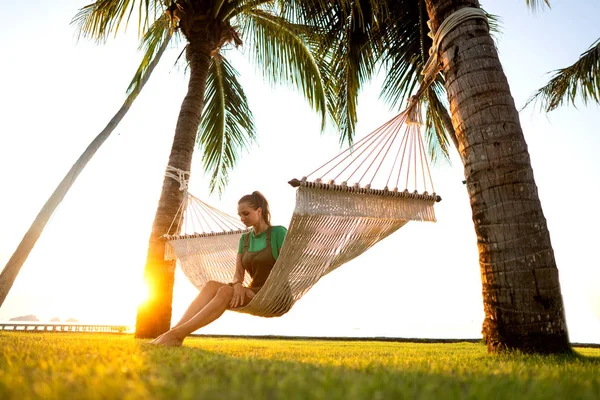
[{"x": 107, "y": 366}]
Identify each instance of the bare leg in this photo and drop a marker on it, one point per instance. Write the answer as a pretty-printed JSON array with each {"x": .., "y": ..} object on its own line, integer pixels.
[
  {"x": 210, "y": 312},
  {"x": 204, "y": 297}
]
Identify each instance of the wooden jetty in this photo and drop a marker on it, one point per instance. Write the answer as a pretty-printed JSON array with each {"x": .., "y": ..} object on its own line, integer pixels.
[{"x": 28, "y": 326}]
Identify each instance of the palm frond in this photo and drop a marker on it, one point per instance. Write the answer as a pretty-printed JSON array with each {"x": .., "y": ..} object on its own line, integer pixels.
[
  {"x": 99, "y": 19},
  {"x": 318, "y": 12},
  {"x": 582, "y": 79},
  {"x": 402, "y": 79},
  {"x": 283, "y": 57},
  {"x": 218, "y": 5},
  {"x": 153, "y": 44},
  {"x": 227, "y": 125},
  {"x": 437, "y": 132},
  {"x": 534, "y": 5},
  {"x": 234, "y": 8},
  {"x": 495, "y": 24},
  {"x": 348, "y": 56},
  {"x": 406, "y": 49},
  {"x": 312, "y": 12}
]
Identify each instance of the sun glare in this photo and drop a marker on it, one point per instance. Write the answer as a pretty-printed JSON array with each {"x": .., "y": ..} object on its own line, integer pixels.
[{"x": 140, "y": 293}]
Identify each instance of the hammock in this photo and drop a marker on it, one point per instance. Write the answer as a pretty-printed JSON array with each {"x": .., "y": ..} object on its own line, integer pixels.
[{"x": 332, "y": 222}]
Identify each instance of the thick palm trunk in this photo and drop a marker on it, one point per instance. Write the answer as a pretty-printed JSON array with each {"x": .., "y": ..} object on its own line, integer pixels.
[
  {"x": 12, "y": 268},
  {"x": 154, "y": 316},
  {"x": 521, "y": 291}
]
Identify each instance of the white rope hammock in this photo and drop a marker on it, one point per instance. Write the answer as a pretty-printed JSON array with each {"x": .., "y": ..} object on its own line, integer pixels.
[
  {"x": 331, "y": 224},
  {"x": 338, "y": 214}
]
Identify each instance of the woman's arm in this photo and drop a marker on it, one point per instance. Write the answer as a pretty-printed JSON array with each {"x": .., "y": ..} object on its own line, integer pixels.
[
  {"x": 238, "y": 276},
  {"x": 238, "y": 280}
]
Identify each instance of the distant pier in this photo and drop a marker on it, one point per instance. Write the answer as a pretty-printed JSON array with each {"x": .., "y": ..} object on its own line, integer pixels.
[{"x": 16, "y": 326}]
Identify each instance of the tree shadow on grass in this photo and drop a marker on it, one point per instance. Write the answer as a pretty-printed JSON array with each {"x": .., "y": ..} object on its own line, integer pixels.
[
  {"x": 217, "y": 372},
  {"x": 101, "y": 366},
  {"x": 579, "y": 356}
]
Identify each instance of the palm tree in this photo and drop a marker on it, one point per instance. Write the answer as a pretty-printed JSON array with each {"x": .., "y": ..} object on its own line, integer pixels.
[
  {"x": 226, "y": 124},
  {"x": 580, "y": 79},
  {"x": 521, "y": 290},
  {"x": 153, "y": 54}
]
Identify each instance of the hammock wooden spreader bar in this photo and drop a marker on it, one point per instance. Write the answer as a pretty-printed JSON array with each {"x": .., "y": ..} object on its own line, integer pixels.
[{"x": 338, "y": 216}]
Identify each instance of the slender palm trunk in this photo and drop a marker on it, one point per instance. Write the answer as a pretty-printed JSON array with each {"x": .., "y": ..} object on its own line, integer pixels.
[
  {"x": 154, "y": 316},
  {"x": 521, "y": 290},
  {"x": 12, "y": 268}
]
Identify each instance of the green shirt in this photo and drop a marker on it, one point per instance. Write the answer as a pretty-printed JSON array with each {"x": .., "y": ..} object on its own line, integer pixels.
[{"x": 259, "y": 242}]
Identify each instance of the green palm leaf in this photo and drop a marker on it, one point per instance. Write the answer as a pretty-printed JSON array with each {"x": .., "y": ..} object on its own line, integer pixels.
[
  {"x": 154, "y": 39},
  {"x": 311, "y": 12},
  {"x": 535, "y": 4},
  {"x": 438, "y": 130},
  {"x": 281, "y": 55},
  {"x": 227, "y": 125},
  {"x": 233, "y": 9},
  {"x": 103, "y": 17},
  {"x": 580, "y": 79},
  {"x": 406, "y": 48},
  {"x": 347, "y": 57}
]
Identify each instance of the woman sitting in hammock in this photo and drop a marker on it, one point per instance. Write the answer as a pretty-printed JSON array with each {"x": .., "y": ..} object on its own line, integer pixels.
[{"x": 257, "y": 252}]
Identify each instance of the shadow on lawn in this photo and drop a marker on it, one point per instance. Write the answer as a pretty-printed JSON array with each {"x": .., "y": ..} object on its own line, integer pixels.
[
  {"x": 103, "y": 366},
  {"x": 195, "y": 372}
]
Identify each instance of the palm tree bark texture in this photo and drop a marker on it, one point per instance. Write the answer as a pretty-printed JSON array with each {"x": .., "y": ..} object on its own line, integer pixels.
[
  {"x": 154, "y": 316},
  {"x": 521, "y": 291}
]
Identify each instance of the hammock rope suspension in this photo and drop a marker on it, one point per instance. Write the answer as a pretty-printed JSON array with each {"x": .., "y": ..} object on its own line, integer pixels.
[
  {"x": 377, "y": 159},
  {"x": 200, "y": 218}
]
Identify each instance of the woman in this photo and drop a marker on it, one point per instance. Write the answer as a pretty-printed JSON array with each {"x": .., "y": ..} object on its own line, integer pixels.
[{"x": 257, "y": 252}]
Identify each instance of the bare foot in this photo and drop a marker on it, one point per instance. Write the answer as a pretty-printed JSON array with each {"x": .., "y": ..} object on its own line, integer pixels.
[
  {"x": 156, "y": 338},
  {"x": 168, "y": 339}
]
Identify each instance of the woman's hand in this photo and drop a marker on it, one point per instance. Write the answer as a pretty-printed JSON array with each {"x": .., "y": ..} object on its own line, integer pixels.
[
  {"x": 239, "y": 292},
  {"x": 249, "y": 293},
  {"x": 238, "y": 295}
]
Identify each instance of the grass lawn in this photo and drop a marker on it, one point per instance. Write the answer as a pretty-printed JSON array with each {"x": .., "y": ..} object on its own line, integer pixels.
[{"x": 107, "y": 366}]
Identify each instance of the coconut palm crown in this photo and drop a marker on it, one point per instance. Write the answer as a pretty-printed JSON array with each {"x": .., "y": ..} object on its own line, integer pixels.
[{"x": 271, "y": 42}]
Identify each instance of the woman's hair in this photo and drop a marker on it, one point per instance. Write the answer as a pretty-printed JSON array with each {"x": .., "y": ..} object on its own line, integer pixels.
[{"x": 256, "y": 200}]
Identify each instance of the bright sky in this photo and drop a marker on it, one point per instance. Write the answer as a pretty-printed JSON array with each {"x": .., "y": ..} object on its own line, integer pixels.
[{"x": 423, "y": 281}]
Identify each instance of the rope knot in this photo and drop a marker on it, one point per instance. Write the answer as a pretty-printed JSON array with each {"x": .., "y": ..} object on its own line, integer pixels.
[
  {"x": 432, "y": 66},
  {"x": 413, "y": 112},
  {"x": 180, "y": 176}
]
